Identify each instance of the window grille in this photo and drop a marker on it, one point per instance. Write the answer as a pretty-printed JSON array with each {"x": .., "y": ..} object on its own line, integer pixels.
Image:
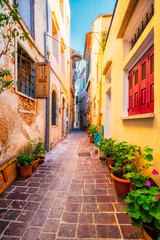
[
  {"x": 54, "y": 108},
  {"x": 143, "y": 26},
  {"x": 26, "y": 74}
]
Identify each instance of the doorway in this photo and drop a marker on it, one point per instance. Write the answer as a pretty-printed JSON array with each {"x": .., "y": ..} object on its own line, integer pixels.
[{"x": 108, "y": 114}]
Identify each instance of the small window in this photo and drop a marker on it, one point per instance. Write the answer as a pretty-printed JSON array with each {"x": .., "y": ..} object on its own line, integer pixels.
[
  {"x": 136, "y": 77},
  {"x": 144, "y": 71},
  {"x": 26, "y": 73},
  {"x": 26, "y": 10},
  {"x": 152, "y": 64},
  {"x": 54, "y": 109},
  {"x": 141, "y": 91}
]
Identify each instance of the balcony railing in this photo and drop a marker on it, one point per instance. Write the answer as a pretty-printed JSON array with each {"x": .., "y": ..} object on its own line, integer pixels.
[{"x": 143, "y": 26}]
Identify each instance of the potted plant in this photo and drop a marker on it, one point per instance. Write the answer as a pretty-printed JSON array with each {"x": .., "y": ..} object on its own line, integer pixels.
[
  {"x": 110, "y": 151},
  {"x": 122, "y": 185},
  {"x": 40, "y": 149},
  {"x": 25, "y": 162},
  {"x": 31, "y": 145},
  {"x": 131, "y": 170},
  {"x": 100, "y": 146},
  {"x": 144, "y": 209},
  {"x": 92, "y": 129}
]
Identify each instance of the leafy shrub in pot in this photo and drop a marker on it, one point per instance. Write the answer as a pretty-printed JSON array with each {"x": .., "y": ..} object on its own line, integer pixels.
[
  {"x": 25, "y": 163},
  {"x": 37, "y": 149},
  {"x": 92, "y": 129},
  {"x": 128, "y": 161},
  {"x": 144, "y": 209}
]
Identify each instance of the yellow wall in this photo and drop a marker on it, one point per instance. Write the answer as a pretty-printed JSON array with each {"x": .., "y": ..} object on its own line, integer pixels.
[
  {"x": 138, "y": 131},
  {"x": 100, "y": 25}
]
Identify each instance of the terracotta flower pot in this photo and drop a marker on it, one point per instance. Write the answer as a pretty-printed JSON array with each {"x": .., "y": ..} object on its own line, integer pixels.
[
  {"x": 35, "y": 164},
  {"x": 150, "y": 234},
  {"x": 25, "y": 172},
  {"x": 110, "y": 160},
  {"x": 41, "y": 160},
  {"x": 101, "y": 155},
  {"x": 91, "y": 139},
  {"x": 122, "y": 186}
]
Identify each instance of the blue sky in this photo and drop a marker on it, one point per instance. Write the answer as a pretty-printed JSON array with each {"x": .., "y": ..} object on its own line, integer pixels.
[{"x": 83, "y": 13}]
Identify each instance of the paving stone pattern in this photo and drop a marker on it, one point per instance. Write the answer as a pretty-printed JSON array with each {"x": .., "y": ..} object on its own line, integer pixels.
[{"x": 68, "y": 197}]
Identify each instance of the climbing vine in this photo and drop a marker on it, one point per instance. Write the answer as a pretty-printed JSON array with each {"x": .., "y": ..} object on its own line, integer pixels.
[{"x": 9, "y": 29}]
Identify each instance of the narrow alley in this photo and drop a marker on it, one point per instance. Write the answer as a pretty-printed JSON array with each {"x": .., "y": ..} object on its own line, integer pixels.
[{"x": 70, "y": 196}]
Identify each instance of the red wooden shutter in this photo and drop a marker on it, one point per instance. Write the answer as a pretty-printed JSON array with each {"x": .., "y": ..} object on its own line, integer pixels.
[
  {"x": 42, "y": 79},
  {"x": 143, "y": 84},
  {"x": 151, "y": 80},
  {"x": 130, "y": 104},
  {"x": 136, "y": 89}
]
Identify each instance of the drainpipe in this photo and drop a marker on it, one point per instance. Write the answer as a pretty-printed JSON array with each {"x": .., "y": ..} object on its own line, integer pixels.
[{"x": 47, "y": 134}]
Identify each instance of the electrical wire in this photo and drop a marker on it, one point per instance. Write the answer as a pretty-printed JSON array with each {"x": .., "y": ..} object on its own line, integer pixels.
[
  {"x": 63, "y": 44},
  {"x": 98, "y": 41}
]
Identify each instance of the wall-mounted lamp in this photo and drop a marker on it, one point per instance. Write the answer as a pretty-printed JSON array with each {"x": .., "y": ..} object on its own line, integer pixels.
[{"x": 76, "y": 57}]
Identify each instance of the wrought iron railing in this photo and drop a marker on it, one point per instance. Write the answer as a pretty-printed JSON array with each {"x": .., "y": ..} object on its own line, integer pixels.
[{"x": 143, "y": 26}]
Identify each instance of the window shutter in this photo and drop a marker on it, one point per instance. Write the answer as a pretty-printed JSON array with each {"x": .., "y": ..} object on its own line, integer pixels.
[
  {"x": 136, "y": 89},
  {"x": 130, "y": 109},
  {"x": 143, "y": 84},
  {"x": 42, "y": 79},
  {"x": 151, "y": 80}
]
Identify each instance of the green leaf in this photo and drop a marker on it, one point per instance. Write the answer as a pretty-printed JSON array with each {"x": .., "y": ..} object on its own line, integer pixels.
[
  {"x": 142, "y": 199},
  {"x": 146, "y": 206},
  {"x": 136, "y": 222},
  {"x": 129, "y": 175},
  {"x": 135, "y": 213},
  {"x": 158, "y": 216},
  {"x": 148, "y": 157},
  {"x": 157, "y": 224}
]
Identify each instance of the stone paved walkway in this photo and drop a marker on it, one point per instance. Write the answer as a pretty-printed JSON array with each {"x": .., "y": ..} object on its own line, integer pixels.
[{"x": 68, "y": 197}]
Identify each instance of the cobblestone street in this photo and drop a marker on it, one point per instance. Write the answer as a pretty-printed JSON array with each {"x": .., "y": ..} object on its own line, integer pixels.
[{"x": 70, "y": 196}]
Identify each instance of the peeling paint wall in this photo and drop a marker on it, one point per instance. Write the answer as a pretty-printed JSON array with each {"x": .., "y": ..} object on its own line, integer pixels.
[{"x": 22, "y": 118}]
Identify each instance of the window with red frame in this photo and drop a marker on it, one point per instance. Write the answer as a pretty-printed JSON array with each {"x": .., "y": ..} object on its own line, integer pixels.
[{"x": 141, "y": 85}]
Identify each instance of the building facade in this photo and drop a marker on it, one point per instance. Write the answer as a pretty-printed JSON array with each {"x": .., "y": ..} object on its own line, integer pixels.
[
  {"x": 130, "y": 72},
  {"x": 93, "y": 54},
  {"x": 38, "y": 103},
  {"x": 81, "y": 95}
]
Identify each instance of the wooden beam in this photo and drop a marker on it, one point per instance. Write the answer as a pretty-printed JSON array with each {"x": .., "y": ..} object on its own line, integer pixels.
[{"x": 107, "y": 67}]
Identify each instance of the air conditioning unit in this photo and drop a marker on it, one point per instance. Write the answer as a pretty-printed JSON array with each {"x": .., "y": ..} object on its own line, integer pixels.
[{"x": 101, "y": 110}]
